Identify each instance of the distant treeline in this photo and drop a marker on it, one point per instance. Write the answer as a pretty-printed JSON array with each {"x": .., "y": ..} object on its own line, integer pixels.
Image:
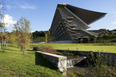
[
  {"x": 107, "y": 37},
  {"x": 39, "y": 36}
]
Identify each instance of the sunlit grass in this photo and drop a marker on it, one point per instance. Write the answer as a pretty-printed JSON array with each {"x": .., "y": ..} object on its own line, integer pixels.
[
  {"x": 14, "y": 64},
  {"x": 82, "y": 47}
]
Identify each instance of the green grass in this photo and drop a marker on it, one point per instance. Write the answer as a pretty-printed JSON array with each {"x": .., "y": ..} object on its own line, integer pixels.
[
  {"x": 14, "y": 64},
  {"x": 83, "y": 47}
]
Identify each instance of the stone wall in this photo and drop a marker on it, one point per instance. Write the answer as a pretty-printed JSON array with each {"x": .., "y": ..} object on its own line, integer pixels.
[
  {"x": 59, "y": 61},
  {"x": 111, "y": 57}
]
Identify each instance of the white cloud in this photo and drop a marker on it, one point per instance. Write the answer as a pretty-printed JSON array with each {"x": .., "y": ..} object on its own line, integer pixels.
[
  {"x": 1, "y": 5},
  {"x": 114, "y": 23},
  {"x": 27, "y": 6},
  {"x": 8, "y": 20},
  {"x": 32, "y": 31}
]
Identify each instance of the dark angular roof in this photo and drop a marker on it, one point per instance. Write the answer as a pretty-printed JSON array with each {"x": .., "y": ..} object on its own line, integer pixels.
[{"x": 86, "y": 15}]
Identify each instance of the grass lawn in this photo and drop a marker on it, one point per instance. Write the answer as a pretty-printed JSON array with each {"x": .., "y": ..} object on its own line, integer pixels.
[
  {"x": 14, "y": 64},
  {"x": 82, "y": 47}
]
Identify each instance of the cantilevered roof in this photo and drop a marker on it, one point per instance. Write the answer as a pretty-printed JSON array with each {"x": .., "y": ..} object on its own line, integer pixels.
[{"x": 86, "y": 15}]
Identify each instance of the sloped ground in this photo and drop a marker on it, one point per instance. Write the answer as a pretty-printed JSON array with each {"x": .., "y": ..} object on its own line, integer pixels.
[{"x": 14, "y": 64}]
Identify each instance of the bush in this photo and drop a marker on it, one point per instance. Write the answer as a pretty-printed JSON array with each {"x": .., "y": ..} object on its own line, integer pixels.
[
  {"x": 39, "y": 48},
  {"x": 49, "y": 49},
  {"x": 45, "y": 48},
  {"x": 113, "y": 41},
  {"x": 80, "y": 74},
  {"x": 36, "y": 48},
  {"x": 98, "y": 66},
  {"x": 59, "y": 53},
  {"x": 70, "y": 74}
]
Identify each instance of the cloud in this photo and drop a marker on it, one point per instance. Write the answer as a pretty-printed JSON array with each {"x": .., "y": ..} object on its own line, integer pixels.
[
  {"x": 8, "y": 20},
  {"x": 27, "y": 6},
  {"x": 32, "y": 31},
  {"x": 114, "y": 22},
  {"x": 1, "y": 5}
]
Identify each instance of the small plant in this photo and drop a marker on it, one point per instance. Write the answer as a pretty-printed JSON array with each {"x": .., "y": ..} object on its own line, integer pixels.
[
  {"x": 49, "y": 49},
  {"x": 36, "y": 48},
  {"x": 70, "y": 74},
  {"x": 80, "y": 74},
  {"x": 98, "y": 66},
  {"x": 59, "y": 53},
  {"x": 45, "y": 48}
]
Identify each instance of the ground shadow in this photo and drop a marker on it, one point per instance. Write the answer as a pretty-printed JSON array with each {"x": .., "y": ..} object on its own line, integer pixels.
[
  {"x": 39, "y": 60},
  {"x": 83, "y": 63},
  {"x": 9, "y": 49}
]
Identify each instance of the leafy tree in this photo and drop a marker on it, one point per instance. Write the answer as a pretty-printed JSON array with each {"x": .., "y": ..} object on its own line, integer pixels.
[
  {"x": 37, "y": 34},
  {"x": 46, "y": 36},
  {"x": 112, "y": 33},
  {"x": 3, "y": 34},
  {"x": 23, "y": 33},
  {"x": 95, "y": 39},
  {"x": 3, "y": 37},
  {"x": 100, "y": 37},
  {"x": 12, "y": 38}
]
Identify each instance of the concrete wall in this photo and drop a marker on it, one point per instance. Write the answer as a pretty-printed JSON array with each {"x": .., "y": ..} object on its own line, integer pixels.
[
  {"x": 59, "y": 61},
  {"x": 111, "y": 57}
]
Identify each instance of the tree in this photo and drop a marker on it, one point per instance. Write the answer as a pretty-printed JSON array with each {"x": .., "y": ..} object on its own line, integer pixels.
[
  {"x": 112, "y": 33},
  {"x": 12, "y": 38},
  {"x": 107, "y": 33},
  {"x": 3, "y": 34},
  {"x": 23, "y": 33},
  {"x": 95, "y": 39},
  {"x": 1, "y": 8},
  {"x": 3, "y": 37},
  {"x": 100, "y": 37},
  {"x": 46, "y": 36}
]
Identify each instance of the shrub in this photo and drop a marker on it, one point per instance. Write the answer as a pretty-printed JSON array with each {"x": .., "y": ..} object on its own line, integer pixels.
[
  {"x": 80, "y": 74},
  {"x": 45, "y": 48},
  {"x": 98, "y": 66},
  {"x": 39, "y": 48},
  {"x": 36, "y": 48},
  {"x": 59, "y": 53},
  {"x": 70, "y": 74},
  {"x": 49, "y": 49}
]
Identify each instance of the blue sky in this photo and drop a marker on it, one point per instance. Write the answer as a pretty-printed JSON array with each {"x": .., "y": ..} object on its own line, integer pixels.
[{"x": 41, "y": 12}]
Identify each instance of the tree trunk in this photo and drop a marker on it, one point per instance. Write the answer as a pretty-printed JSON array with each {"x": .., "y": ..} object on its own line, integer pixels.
[
  {"x": 24, "y": 51},
  {"x": 46, "y": 38}
]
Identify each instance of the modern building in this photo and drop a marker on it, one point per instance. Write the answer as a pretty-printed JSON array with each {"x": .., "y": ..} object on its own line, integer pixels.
[
  {"x": 100, "y": 31},
  {"x": 70, "y": 23},
  {"x": 114, "y": 31}
]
